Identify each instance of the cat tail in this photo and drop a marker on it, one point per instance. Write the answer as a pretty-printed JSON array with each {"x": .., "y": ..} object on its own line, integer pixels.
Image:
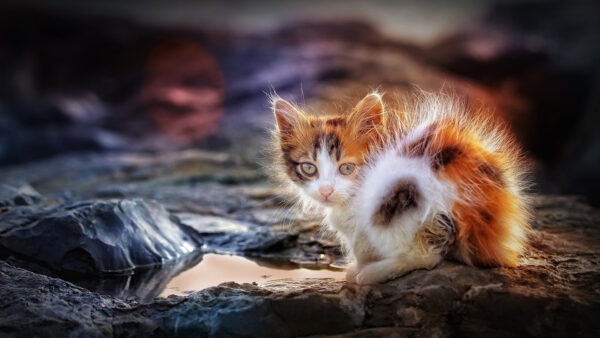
[{"x": 490, "y": 208}]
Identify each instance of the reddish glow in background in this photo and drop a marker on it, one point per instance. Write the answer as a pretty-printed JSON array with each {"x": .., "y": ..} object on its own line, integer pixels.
[{"x": 183, "y": 91}]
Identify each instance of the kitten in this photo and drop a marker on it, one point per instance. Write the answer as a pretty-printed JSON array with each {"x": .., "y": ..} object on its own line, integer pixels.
[{"x": 403, "y": 189}]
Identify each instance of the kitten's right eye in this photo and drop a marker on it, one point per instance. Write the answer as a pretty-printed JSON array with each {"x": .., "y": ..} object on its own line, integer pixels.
[{"x": 308, "y": 169}]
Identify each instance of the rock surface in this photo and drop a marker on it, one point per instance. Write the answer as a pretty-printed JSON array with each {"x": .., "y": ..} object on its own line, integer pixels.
[
  {"x": 213, "y": 202},
  {"x": 18, "y": 193},
  {"x": 106, "y": 236},
  {"x": 225, "y": 203},
  {"x": 554, "y": 293}
]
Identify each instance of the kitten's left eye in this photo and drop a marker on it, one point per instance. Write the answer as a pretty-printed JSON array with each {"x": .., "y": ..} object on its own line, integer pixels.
[{"x": 347, "y": 168}]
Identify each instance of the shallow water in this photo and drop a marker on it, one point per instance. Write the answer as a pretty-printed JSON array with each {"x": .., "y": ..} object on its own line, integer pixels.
[{"x": 215, "y": 269}]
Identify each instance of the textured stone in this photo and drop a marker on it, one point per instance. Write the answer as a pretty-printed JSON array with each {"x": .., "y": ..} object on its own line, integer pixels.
[
  {"x": 20, "y": 193},
  {"x": 235, "y": 216},
  {"x": 107, "y": 236},
  {"x": 226, "y": 235},
  {"x": 553, "y": 293}
]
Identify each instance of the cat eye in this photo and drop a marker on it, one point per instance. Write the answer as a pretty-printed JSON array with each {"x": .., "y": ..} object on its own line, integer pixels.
[
  {"x": 347, "y": 168},
  {"x": 308, "y": 169}
]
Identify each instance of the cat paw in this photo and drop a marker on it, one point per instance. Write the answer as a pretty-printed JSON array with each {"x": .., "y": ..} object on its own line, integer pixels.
[
  {"x": 351, "y": 272},
  {"x": 366, "y": 278},
  {"x": 379, "y": 272},
  {"x": 372, "y": 274}
]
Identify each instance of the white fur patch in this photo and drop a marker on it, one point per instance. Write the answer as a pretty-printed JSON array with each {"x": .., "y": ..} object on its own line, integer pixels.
[{"x": 434, "y": 197}]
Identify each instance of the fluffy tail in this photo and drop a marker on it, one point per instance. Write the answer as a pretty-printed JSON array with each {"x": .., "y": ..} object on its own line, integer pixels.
[{"x": 491, "y": 211}]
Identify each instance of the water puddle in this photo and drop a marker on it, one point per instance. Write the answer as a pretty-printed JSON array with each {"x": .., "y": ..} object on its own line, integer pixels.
[{"x": 215, "y": 269}]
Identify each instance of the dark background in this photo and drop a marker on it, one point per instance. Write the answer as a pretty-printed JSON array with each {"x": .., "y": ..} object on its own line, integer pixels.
[{"x": 118, "y": 76}]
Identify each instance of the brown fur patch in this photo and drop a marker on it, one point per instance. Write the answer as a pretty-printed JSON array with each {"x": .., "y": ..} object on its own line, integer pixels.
[
  {"x": 341, "y": 138},
  {"x": 486, "y": 217},
  {"x": 445, "y": 156},
  {"x": 402, "y": 197},
  {"x": 485, "y": 235}
]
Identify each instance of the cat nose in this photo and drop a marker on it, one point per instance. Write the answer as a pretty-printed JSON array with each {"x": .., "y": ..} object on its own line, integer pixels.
[{"x": 326, "y": 190}]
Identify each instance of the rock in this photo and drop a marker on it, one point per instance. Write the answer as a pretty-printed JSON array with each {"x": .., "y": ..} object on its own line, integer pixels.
[
  {"x": 225, "y": 235},
  {"x": 14, "y": 194},
  {"x": 114, "y": 236},
  {"x": 301, "y": 247},
  {"x": 553, "y": 293},
  {"x": 36, "y": 305},
  {"x": 236, "y": 215},
  {"x": 142, "y": 284}
]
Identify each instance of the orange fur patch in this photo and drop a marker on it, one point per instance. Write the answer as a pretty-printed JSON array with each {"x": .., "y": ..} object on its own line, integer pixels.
[{"x": 490, "y": 219}]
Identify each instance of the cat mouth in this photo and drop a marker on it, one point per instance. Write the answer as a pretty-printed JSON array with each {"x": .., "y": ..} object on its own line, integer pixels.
[{"x": 326, "y": 200}]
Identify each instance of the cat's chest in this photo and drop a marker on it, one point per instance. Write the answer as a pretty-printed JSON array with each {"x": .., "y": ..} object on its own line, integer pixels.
[{"x": 341, "y": 220}]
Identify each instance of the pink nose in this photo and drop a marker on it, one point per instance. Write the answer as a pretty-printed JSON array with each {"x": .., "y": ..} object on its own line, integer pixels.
[{"x": 326, "y": 190}]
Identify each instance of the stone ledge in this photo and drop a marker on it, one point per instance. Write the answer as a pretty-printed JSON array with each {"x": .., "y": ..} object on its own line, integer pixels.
[{"x": 555, "y": 292}]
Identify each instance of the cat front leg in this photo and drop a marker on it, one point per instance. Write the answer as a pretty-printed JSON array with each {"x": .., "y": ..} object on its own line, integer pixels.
[
  {"x": 351, "y": 272},
  {"x": 390, "y": 268},
  {"x": 362, "y": 253}
]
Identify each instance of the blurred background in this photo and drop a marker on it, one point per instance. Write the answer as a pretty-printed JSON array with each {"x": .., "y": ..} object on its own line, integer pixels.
[{"x": 155, "y": 76}]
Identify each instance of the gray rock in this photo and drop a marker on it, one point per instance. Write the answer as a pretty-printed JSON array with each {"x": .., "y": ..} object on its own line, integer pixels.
[
  {"x": 142, "y": 284},
  {"x": 36, "y": 305},
  {"x": 220, "y": 234},
  {"x": 18, "y": 193},
  {"x": 95, "y": 236},
  {"x": 553, "y": 293},
  {"x": 237, "y": 216}
]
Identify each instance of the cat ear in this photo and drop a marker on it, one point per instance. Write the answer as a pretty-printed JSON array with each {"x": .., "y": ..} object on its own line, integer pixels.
[
  {"x": 369, "y": 111},
  {"x": 286, "y": 114}
]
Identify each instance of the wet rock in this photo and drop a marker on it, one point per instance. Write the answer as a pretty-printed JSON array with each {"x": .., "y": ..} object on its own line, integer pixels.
[
  {"x": 553, "y": 293},
  {"x": 141, "y": 284},
  {"x": 235, "y": 310},
  {"x": 226, "y": 235},
  {"x": 112, "y": 236},
  {"x": 36, "y": 305},
  {"x": 20, "y": 193}
]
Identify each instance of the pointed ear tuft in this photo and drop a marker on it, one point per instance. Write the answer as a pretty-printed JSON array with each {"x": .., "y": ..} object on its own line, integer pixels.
[
  {"x": 286, "y": 114},
  {"x": 369, "y": 111}
]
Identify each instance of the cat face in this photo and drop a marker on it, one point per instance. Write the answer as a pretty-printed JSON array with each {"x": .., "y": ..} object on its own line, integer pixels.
[{"x": 323, "y": 155}]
